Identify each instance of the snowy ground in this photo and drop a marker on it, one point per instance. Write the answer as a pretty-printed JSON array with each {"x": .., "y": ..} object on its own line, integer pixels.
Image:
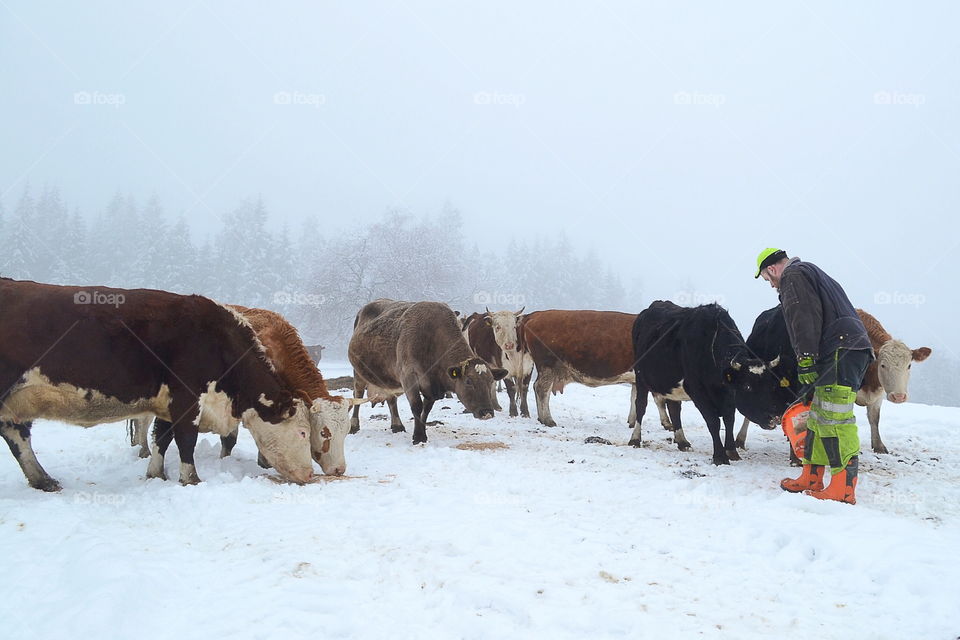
[{"x": 549, "y": 537}]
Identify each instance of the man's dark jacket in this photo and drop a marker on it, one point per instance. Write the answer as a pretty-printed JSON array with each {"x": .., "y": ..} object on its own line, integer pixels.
[{"x": 820, "y": 318}]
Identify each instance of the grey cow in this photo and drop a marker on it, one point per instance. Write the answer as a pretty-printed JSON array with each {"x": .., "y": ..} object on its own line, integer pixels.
[{"x": 416, "y": 349}]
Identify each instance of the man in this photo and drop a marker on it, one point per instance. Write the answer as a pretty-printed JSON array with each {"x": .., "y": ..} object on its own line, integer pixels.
[{"x": 833, "y": 351}]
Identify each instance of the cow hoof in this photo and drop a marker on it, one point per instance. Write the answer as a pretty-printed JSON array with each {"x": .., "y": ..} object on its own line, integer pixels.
[
  {"x": 732, "y": 454},
  {"x": 225, "y": 453},
  {"x": 513, "y": 413},
  {"x": 683, "y": 446},
  {"x": 635, "y": 443},
  {"x": 548, "y": 423},
  {"x": 354, "y": 430},
  {"x": 47, "y": 484},
  {"x": 666, "y": 426},
  {"x": 741, "y": 445},
  {"x": 144, "y": 453},
  {"x": 419, "y": 440},
  {"x": 880, "y": 449},
  {"x": 189, "y": 480},
  {"x": 399, "y": 429},
  {"x": 719, "y": 460}
]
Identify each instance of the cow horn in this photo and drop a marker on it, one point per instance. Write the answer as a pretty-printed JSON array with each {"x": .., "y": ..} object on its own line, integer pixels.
[
  {"x": 774, "y": 362},
  {"x": 487, "y": 309},
  {"x": 519, "y": 313},
  {"x": 353, "y": 402},
  {"x": 735, "y": 365}
]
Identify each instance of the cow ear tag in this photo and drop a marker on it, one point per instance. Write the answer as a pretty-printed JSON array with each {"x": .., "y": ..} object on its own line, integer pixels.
[
  {"x": 454, "y": 372},
  {"x": 784, "y": 382}
]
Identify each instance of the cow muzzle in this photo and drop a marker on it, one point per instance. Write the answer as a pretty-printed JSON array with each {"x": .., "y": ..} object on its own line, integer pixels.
[{"x": 897, "y": 398}]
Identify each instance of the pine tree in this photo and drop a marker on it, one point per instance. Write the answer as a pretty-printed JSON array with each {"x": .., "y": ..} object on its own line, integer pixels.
[{"x": 21, "y": 242}]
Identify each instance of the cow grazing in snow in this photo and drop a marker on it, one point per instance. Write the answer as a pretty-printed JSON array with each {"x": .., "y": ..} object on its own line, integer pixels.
[
  {"x": 686, "y": 353},
  {"x": 493, "y": 336},
  {"x": 89, "y": 357},
  {"x": 592, "y": 348},
  {"x": 329, "y": 415},
  {"x": 417, "y": 349},
  {"x": 887, "y": 377}
]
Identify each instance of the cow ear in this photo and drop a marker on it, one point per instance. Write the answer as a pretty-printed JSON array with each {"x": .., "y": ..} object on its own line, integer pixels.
[
  {"x": 921, "y": 354},
  {"x": 488, "y": 320},
  {"x": 499, "y": 374},
  {"x": 454, "y": 372}
]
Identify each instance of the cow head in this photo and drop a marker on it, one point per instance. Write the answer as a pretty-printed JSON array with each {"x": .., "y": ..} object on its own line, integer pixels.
[
  {"x": 329, "y": 426},
  {"x": 285, "y": 444},
  {"x": 472, "y": 380},
  {"x": 894, "y": 360},
  {"x": 504, "y": 324},
  {"x": 762, "y": 391}
]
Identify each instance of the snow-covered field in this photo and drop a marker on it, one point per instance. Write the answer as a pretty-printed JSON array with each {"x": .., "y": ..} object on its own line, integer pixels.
[{"x": 548, "y": 537}]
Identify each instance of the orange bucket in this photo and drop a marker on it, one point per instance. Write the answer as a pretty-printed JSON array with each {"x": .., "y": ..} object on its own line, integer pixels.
[{"x": 794, "y": 423}]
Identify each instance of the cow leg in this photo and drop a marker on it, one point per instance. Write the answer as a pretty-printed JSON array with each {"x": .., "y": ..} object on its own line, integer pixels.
[
  {"x": 512, "y": 395},
  {"x": 359, "y": 387},
  {"x": 17, "y": 436},
  {"x": 719, "y": 454},
  {"x": 640, "y": 400},
  {"x": 662, "y": 408},
  {"x": 493, "y": 396},
  {"x": 140, "y": 428},
  {"x": 185, "y": 434},
  {"x": 541, "y": 392},
  {"x": 729, "y": 444},
  {"x": 420, "y": 425},
  {"x": 742, "y": 435},
  {"x": 673, "y": 408},
  {"x": 632, "y": 415},
  {"x": 873, "y": 416},
  {"x": 522, "y": 391},
  {"x": 228, "y": 442},
  {"x": 162, "y": 437},
  {"x": 396, "y": 424}
]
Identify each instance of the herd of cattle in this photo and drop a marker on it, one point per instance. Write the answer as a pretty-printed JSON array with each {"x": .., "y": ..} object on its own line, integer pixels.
[{"x": 192, "y": 365}]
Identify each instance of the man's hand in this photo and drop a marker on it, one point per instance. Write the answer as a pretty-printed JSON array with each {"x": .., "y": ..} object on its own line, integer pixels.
[{"x": 806, "y": 368}]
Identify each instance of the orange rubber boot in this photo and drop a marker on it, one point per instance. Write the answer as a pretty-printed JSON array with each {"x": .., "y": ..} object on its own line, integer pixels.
[
  {"x": 843, "y": 485},
  {"x": 810, "y": 480}
]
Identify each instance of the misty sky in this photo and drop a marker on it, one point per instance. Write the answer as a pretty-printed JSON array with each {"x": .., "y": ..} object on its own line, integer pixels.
[{"x": 678, "y": 139}]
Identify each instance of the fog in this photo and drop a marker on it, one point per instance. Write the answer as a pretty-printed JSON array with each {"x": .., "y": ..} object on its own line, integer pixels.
[{"x": 666, "y": 143}]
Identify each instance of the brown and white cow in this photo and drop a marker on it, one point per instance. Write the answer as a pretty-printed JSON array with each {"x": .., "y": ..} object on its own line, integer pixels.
[
  {"x": 493, "y": 336},
  {"x": 89, "y": 356},
  {"x": 417, "y": 349},
  {"x": 329, "y": 415},
  {"x": 593, "y": 348},
  {"x": 887, "y": 377}
]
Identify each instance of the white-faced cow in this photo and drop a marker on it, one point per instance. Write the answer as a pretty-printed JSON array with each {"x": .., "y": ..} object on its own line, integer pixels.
[
  {"x": 682, "y": 353},
  {"x": 592, "y": 348},
  {"x": 493, "y": 336},
  {"x": 88, "y": 357},
  {"x": 329, "y": 415},
  {"x": 417, "y": 349}
]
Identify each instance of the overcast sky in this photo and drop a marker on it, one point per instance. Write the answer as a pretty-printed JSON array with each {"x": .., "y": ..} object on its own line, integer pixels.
[{"x": 678, "y": 139}]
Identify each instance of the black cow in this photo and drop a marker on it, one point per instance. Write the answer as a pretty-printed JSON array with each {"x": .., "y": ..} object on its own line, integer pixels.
[
  {"x": 689, "y": 351},
  {"x": 765, "y": 376}
]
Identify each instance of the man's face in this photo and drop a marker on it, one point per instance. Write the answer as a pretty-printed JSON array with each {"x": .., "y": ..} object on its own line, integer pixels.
[{"x": 772, "y": 275}]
